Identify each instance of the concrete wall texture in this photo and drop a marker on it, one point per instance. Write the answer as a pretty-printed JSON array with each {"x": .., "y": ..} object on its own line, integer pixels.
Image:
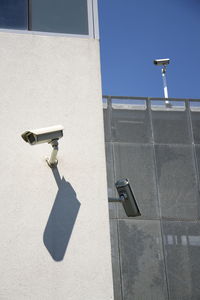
[
  {"x": 55, "y": 241},
  {"x": 155, "y": 256}
]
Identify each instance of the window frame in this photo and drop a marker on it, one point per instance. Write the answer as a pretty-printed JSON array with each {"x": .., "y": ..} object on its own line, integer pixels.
[{"x": 93, "y": 24}]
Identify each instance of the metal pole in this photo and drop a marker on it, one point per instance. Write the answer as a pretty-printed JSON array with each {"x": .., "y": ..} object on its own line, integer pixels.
[
  {"x": 121, "y": 199},
  {"x": 52, "y": 162},
  {"x": 163, "y": 70}
]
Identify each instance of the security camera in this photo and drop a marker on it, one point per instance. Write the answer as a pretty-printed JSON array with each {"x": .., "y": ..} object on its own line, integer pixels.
[
  {"x": 43, "y": 135},
  {"x": 127, "y": 198},
  {"x": 49, "y": 135},
  {"x": 161, "y": 62}
]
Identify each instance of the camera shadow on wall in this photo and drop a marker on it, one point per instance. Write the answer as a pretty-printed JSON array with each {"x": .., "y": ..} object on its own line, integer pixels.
[{"x": 61, "y": 219}]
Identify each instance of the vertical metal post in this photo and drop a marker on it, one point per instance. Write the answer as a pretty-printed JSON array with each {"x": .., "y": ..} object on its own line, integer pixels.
[
  {"x": 163, "y": 71},
  {"x": 52, "y": 162}
]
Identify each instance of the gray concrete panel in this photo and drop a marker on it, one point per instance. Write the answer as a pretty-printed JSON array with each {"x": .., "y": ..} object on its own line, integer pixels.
[
  {"x": 116, "y": 260},
  {"x": 110, "y": 179},
  {"x": 136, "y": 162},
  {"x": 182, "y": 249},
  {"x": 131, "y": 126},
  {"x": 178, "y": 191},
  {"x": 197, "y": 159},
  {"x": 107, "y": 125},
  {"x": 171, "y": 127},
  {"x": 142, "y": 262},
  {"x": 195, "y": 117}
]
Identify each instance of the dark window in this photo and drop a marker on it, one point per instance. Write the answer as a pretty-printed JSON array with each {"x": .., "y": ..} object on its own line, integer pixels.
[
  {"x": 64, "y": 16},
  {"x": 14, "y": 14}
]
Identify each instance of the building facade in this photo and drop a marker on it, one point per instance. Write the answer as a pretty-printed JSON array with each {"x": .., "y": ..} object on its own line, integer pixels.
[
  {"x": 155, "y": 256},
  {"x": 55, "y": 235},
  {"x": 55, "y": 240}
]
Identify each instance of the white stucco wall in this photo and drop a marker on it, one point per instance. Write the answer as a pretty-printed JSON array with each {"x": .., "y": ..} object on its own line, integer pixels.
[{"x": 44, "y": 81}]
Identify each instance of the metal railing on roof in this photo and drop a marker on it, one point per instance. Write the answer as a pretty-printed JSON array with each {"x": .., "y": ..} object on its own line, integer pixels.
[
  {"x": 175, "y": 103},
  {"x": 150, "y": 98}
]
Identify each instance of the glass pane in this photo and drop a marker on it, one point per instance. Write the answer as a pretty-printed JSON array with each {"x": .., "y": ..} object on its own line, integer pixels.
[
  {"x": 64, "y": 16},
  {"x": 136, "y": 162},
  {"x": 142, "y": 263},
  {"x": 182, "y": 246},
  {"x": 14, "y": 14},
  {"x": 171, "y": 127},
  {"x": 177, "y": 182}
]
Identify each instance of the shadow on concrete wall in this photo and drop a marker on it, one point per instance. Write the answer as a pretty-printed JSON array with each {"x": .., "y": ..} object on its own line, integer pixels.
[{"x": 61, "y": 219}]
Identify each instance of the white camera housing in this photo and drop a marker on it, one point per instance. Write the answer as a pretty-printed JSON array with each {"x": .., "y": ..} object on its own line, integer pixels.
[
  {"x": 43, "y": 135},
  {"x": 161, "y": 62}
]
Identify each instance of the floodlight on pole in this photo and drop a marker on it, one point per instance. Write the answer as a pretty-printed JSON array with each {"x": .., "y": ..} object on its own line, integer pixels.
[{"x": 164, "y": 62}]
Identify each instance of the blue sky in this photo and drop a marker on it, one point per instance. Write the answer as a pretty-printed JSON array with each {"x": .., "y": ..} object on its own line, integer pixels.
[{"x": 135, "y": 32}]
